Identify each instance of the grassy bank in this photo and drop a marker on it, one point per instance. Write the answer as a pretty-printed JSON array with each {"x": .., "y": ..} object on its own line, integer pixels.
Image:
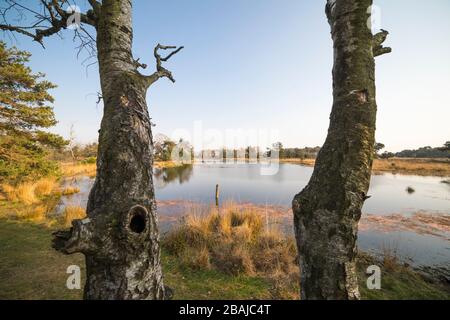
[
  {"x": 31, "y": 269},
  {"x": 73, "y": 169},
  {"x": 423, "y": 167},
  {"x": 228, "y": 256},
  {"x": 36, "y": 201}
]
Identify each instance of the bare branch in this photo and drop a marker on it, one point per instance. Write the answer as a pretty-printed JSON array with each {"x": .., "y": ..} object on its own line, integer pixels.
[
  {"x": 99, "y": 97},
  {"x": 137, "y": 64},
  {"x": 377, "y": 43},
  {"x": 171, "y": 54},
  {"x": 96, "y": 6},
  {"x": 20, "y": 30},
  {"x": 158, "y": 57},
  {"x": 160, "y": 70},
  {"x": 51, "y": 19}
]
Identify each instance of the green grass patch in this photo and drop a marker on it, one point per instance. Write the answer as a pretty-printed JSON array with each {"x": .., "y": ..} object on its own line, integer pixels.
[
  {"x": 31, "y": 269},
  {"x": 400, "y": 283}
]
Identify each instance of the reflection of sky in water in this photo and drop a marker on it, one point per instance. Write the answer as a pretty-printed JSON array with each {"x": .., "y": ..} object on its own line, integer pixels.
[
  {"x": 244, "y": 183},
  {"x": 78, "y": 199},
  {"x": 389, "y": 195},
  {"x": 414, "y": 248}
]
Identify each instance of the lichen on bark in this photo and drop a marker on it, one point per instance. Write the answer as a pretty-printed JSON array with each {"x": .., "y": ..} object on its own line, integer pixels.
[
  {"x": 328, "y": 209},
  {"x": 120, "y": 237}
]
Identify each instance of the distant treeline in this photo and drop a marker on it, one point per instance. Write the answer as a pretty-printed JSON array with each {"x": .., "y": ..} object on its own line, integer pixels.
[
  {"x": 424, "y": 152},
  {"x": 164, "y": 148},
  {"x": 277, "y": 150},
  {"x": 299, "y": 153}
]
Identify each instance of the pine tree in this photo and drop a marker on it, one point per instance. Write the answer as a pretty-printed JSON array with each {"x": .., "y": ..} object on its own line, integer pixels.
[
  {"x": 120, "y": 238},
  {"x": 24, "y": 112}
]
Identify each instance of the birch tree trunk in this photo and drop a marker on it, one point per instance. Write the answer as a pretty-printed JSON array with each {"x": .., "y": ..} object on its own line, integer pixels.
[
  {"x": 120, "y": 237},
  {"x": 328, "y": 209}
]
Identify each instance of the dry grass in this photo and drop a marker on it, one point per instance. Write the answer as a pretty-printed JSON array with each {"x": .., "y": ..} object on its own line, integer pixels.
[
  {"x": 305, "y": 162},
  {"x": 70, "y": 191},
  {"x": 70, "y": 169},
  {"x": 35, "y": 214},
  {"x": 23, "y": 192},
  {"x": 425, "y": 167},
  {"x": 33, "y": 201},
  {"x": 390, "y": 257},
  {"x": 236, "y": 243},
  {"x": 29, "y": 192},
  {"x": 30, "y": 201},
  {"x": 72, "y": 213},
  {"x": 437, "y": 167},
  {"x": 8, "y": 192},
  {"x": 45, "y": 186}
]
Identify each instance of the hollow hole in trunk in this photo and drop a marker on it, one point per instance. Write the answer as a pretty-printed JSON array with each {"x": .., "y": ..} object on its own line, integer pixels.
[{"x": 138, "y": 219}]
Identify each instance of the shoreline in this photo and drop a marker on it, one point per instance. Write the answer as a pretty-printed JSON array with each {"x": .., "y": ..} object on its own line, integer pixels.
[
  {"x": 403, "y": 166},
  {"x": 45, "y": 271},
  {"x": 407, "y": 166}
]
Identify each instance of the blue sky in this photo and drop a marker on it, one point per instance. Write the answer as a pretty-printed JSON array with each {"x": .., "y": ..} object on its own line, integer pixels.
[{"x": 265, "y": 65}]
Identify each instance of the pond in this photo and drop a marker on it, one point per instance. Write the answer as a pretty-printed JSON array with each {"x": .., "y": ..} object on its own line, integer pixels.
[
  {"x": 414, "y": 225},
  {"x": 244, "y": 183}
]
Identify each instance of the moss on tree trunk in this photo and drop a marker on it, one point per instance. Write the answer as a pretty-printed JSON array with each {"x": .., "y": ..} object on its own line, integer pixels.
[
  {"x": 328, "y": 209},
  {"x": 120, "y": 237}
]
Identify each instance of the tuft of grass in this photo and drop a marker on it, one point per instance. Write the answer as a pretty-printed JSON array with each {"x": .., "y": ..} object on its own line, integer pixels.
[
  {"x": 23, "y": 192},
  {"x": 419, "y": 166},
  {"x": 29, "y": 192},
  {"x": 70, "y": 191},
  {"x": 30, "y": 201},
  {"x": 236, "y": 243},
  {"x": 33, "y": 214},
  {"x": 45, "y": 186},
  {"x": 73, "y": 213},
  {"x": 31, "y": 269},
  {"x": 9, "y": 192},
  {"x": 390, "y": 259},
  {"x": 78, "y": 169},
  {"x": 434, "y": 167}
]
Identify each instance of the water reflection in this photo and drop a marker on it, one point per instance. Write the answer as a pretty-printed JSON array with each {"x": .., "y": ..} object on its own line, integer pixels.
[
  {"x": 189, "y": 185},
  {"x": 243, "y": 182},
  {"x": 180, "y": 174}
]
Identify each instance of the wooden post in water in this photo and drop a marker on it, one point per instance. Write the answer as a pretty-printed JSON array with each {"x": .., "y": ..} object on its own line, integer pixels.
[{"x": 217, "y": 195}]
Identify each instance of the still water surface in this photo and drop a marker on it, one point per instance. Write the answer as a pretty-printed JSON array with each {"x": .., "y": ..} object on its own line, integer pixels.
[{"x": 244, "y": 183}]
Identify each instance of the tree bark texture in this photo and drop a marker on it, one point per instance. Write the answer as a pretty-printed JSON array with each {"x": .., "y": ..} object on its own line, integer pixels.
[
  {"x": 328, "y": 209},
  {"x": 120, "y": 237}
]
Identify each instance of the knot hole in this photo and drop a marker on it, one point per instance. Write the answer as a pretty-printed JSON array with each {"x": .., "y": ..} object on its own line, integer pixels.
[{"x": 138, "y": 219}]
